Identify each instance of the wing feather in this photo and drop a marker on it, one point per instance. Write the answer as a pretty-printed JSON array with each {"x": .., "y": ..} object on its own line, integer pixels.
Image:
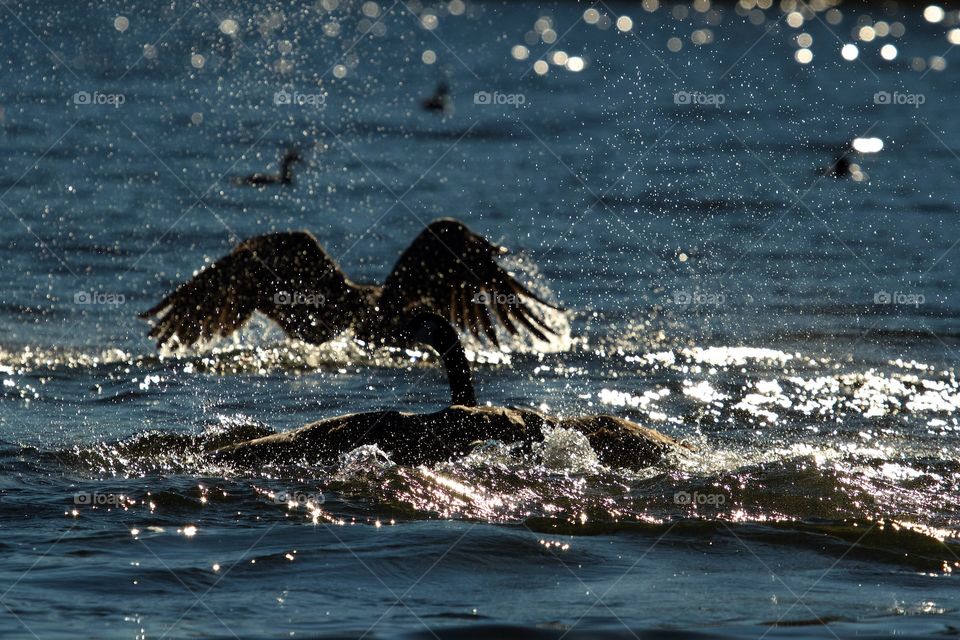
[
  {"x": 454, "y": 272},
  {"x": 287, "y": 276}
]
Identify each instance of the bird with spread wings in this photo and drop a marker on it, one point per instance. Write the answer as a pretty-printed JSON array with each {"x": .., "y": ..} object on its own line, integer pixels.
[{"x": 448, "y": 269}]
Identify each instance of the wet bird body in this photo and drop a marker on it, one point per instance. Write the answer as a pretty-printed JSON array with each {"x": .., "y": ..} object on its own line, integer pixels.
[{"x": 412, "y": 439}]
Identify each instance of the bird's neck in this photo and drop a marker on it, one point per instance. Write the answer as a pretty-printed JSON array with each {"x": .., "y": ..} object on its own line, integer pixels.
[
  {"x": 457, "y": 366},
  {"x": 286, "y": 172}
]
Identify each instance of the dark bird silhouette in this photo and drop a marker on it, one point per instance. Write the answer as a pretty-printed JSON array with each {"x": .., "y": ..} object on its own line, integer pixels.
[
  {"x": 841, "y": 168},
  {"x": 267, "y": 179},
  {"x": 413, "y": 439},
  {"x": 448, "y": 269},
  {"x": 440, "y": 101}
]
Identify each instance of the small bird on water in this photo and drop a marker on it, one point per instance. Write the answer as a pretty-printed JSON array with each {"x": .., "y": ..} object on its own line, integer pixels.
[
  {"x": 440, "y": 101},
  {"x": 841, "y": 168},
  {"x": 285, "y": 177}
]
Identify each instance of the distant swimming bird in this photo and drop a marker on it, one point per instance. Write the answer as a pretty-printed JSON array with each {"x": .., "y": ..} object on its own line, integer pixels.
[
  {"x": 841, "y": 168},
  {"x": 267, "y": 179},
  {"x": 447, "y": 269},
  {"x": 413, "y": 439},
  {"x": 440, "y": 101}
]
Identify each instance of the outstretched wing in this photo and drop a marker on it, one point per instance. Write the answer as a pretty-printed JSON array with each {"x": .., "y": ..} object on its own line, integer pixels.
[
  {"x": 287, "y": 276},
  {"x": 452, "y": 271}
]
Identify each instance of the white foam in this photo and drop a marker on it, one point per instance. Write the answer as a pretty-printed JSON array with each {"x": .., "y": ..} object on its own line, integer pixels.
[{"x": 567, "y": 451}]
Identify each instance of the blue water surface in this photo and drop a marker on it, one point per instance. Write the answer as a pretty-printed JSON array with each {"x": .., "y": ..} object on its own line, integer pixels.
[{"x": 657, "y": 167}]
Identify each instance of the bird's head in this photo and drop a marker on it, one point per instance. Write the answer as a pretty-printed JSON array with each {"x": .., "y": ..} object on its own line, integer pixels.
[{"x": 457, "y": 236}]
